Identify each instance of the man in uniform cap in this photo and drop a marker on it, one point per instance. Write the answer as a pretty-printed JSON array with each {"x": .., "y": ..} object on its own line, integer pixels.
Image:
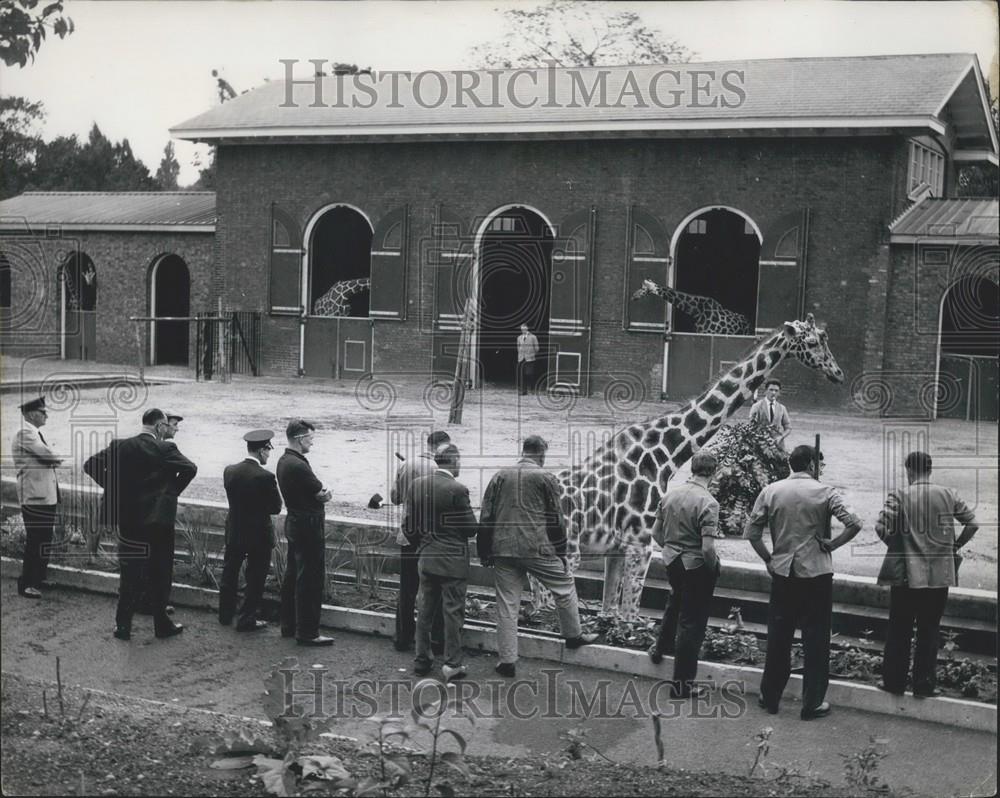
[
  {"x": 38, "y": 494},
  {"x": 253, "y": 497}
]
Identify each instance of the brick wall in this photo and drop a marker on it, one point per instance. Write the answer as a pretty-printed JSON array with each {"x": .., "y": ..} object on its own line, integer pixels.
[
  {"x": 851, "y": 186},
  {"x": 123, "y": 262}
]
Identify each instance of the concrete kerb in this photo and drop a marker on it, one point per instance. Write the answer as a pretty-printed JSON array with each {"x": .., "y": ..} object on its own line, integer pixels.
[{"x": 947, "y": 711}]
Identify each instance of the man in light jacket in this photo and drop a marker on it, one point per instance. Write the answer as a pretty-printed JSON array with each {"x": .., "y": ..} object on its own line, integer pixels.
[{"x": 37, "y": 493}]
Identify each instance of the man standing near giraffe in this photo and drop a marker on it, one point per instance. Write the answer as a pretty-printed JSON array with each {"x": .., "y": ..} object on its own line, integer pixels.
[{"x": 771, "y": 413}]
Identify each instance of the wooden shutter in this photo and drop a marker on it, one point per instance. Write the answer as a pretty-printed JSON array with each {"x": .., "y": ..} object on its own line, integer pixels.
[
  {"x": 570, "y": 301},
  {"x": 647, "y": 249},
  {"x": 285, "y": 281},
  {"x": 389, "y": 258},
  {"x": 781, "y": 281}
]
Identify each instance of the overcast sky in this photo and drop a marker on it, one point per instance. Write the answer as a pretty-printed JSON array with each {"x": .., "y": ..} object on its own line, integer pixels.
[{"x": 137, "y": 68}]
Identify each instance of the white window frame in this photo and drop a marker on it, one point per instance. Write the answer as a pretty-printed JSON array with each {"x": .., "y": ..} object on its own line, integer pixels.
[{"x": 926, "y": 168}]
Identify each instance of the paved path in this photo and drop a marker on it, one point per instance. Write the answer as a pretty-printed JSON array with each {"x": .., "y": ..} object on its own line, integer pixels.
[{"x": 219, "y": 669}]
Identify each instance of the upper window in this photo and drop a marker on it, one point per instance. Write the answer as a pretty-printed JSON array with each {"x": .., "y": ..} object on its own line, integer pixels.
[
  {"x": 926, "y": 168},
  {"x": 507, "y": 224}
]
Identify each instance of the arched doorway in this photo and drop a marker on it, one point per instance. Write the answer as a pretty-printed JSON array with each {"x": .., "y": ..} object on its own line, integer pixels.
[
  {"x": 514, "y": 275},
  {"x": 78, "y": 292},
  {"x": 713, "y": 296},
  {"x": 969, "y": 350},
  {"x": 337, "y": 292},
  {"x": 170, "y": 298},
  {"x": 716, "y": 256}
]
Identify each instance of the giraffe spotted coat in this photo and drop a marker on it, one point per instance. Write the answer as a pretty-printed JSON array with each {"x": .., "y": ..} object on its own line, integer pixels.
[{"x": 710, "y": 318}]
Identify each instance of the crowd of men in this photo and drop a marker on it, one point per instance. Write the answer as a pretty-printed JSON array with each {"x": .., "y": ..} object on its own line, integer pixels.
[{"x": 521, "y": 530}]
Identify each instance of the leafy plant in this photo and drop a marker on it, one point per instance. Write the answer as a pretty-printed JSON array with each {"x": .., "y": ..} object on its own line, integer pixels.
[
  {"x": 763, "y": 739},
  {"x": 394, "y": 769},
  {"x": 454, "y": 759},
  {"x": 855, "y": 663},
  {"x": 731, "y": 644},
  {"x": 614, "y": 631},
  {"x": 196, "y": 542},
  {"x": 861, "y": 768}
]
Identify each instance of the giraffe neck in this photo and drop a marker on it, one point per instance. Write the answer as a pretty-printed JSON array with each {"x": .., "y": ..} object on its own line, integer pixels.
[{"x": 690, "y": 304}]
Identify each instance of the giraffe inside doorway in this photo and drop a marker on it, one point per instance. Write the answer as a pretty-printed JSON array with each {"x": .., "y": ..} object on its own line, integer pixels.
[
  {"x": 78, "y": 291},
  {"x": 514, "y": 274}
]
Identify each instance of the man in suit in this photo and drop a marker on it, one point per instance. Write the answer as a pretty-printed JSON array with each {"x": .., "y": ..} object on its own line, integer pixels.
[
  {"x": 439, "y": 519},
  {"x": 167, "y": 432},
  {"x": 253, "y": 497},
  {"x": 527, "y": 350},
  {"x": 771, "y": 413},
  {"x": 142, "y": 477},
  {"x": 305, "y": 531},
  {"x": 797, "y": 510},
  {"x": 918, "y": 525},
  {"x": 409, "y": 576},
  {"x": 37, "y": 493},
  {"x": 521, "y": 532}
]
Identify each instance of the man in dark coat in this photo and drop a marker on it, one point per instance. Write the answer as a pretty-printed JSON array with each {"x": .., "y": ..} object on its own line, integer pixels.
[
  {"x": 142, "y": 477},
  {"x": 440, "y": 518},
  {"x": 305, "y": 531},
  {"x": 253, "y": 497}
]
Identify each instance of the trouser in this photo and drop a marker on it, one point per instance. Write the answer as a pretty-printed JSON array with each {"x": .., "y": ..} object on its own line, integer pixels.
[
  {"x": 508, "y": 576},
  {"x": 406, "y": 603},
  {"x": 525, "y": 376},
  {"x": 909, "y": 605},
  {"x": 161, "y": 571},
  {"x": 796, "y": 600},
  {"x": 39, "y": 522},
  {"x": 258, "y": 560},
  {"x": 685, "y": 619},
  {"x": 141, "y": 551},
  {"x": 305, "y": 576},
  {"x": 444, "y": 595}
]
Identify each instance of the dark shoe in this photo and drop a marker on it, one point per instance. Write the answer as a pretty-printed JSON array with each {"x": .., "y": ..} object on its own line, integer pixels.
[
  {"x": 30, "y": 592},
  {"x": 655, "y": 656},
  {"x": 257, "y": 626},
  {"x": 582, "y": 640},
  {"x": 122, "y": 633},
  {"x": 763, "y": 705},
  {"x": 319, "y": 640},
  {"x": 932, "y": 693},
  {"x": 885, "y": 689},
  {"x": 171, "y": 631},
  {"x": 422, "y": 668},
  {"x": 506, "y": 669},
  {"x": 817, "y": 712}
]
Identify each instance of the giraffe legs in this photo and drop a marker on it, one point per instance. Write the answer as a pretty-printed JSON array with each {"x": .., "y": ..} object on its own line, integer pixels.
[
  {"x": 637, "y": 559},
  {"x": 614, "y": 572},
  {"x": 541, "y": 598}
]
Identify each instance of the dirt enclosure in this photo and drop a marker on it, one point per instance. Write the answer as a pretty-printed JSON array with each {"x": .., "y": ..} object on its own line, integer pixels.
[{"x": 363, "y": 424}]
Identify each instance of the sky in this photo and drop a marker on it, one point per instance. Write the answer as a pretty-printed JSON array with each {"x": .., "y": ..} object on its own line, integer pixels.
[{"x": 138, "y": 68}]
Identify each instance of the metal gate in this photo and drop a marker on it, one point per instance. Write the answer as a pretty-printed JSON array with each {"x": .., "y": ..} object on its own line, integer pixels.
[{"x": 227, "y": 344}]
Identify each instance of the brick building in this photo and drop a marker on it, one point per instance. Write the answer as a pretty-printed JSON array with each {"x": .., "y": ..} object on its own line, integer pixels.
[{"x": 363, "y": 216}]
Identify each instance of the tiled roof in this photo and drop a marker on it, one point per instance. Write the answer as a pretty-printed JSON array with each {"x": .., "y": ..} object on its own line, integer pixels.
[
  {"x": 111, "y": 210},
  {"x": 962, "y": 221},
  {"x": 873, "y": 91}
]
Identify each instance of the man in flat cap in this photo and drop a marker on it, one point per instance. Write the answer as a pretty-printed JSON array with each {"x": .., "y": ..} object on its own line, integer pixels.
[
  {"x": 305, "y": 531},
  {"x": 38, "y": 494},
  {"x": 142, "y": 477},
  {"x": 253, "y": 497}
]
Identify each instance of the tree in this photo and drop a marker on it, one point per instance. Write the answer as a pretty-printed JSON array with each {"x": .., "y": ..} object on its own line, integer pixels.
[
  {"x": 22, "y": 29},
  {"x": 99, "y": 165},
  {"x": 19, "y": 143},
  {"x": 571, "y": 34},
  {"x": 166, "y": 175}
]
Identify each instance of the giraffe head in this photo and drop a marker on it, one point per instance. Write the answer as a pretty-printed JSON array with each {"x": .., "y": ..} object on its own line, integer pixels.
[
  {"x": 648, "y": 287},
  {"x": 809, "y": 347}
]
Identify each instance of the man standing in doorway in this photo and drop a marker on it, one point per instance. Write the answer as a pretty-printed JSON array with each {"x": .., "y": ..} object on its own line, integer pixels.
[
  {"x": 37, "y": 493},
  {"x": 918, "y": 526},
  {"x": 305, "y": 530},
  {"x": 798, "y": 510},
  {"x": 771, "y": 413},
  {"x": 527, "y": 349}
]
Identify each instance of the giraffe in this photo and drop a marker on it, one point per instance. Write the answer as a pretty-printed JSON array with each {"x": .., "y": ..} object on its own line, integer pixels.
[
  {"x": 609, "y": 501},
  {"x": 709, "y": 316},
  {"x": 75, "y": 297},
  {"x": 336, "y": 301}
]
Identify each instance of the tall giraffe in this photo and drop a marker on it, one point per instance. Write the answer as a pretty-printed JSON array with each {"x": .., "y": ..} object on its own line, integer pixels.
[
  {"x": 610, "y": 499},
  {"x": 337, "y": 301},
  {"x": 708, "y": 314}
]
